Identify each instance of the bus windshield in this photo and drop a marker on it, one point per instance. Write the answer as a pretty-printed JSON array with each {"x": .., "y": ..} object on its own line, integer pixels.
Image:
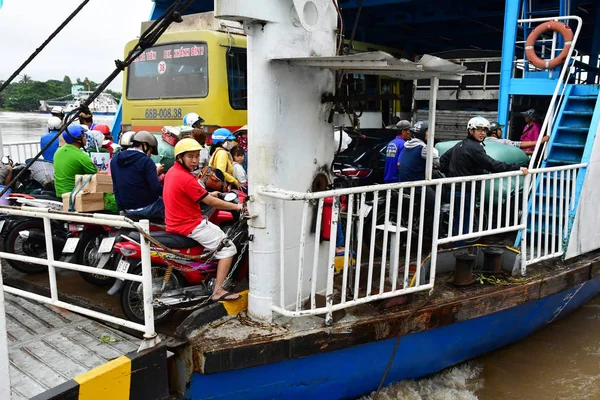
[{"x": 178, "y": 70}]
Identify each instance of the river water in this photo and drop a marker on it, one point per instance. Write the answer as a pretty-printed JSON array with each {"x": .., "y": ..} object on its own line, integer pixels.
[
  {"x": 559, "y": 362},
  {"x": 20, "y": 127}
]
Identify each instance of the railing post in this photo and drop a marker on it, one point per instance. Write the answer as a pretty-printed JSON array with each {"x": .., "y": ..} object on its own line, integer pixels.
[
  {"x": 150, "y": 337},
  {"x": 4, "y": 371},
  {"x": 524, "y": 216},
  {"x": 330, "y": 260},
  {"x": 50, "y": 257}
]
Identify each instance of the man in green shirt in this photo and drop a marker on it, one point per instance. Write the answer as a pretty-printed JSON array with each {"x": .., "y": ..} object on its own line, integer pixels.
[{"x": 71, "y": 160}]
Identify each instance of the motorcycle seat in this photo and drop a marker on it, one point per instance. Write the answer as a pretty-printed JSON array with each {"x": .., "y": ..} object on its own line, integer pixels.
[{"x": 171, "y": 240}]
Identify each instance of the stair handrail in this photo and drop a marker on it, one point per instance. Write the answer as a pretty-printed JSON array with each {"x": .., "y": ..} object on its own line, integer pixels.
[
  {"x": 550, "y": 113},
  {"x": 560, "y": 99}
]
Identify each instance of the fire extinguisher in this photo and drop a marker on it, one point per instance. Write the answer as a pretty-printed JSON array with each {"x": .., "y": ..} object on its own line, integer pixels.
[{"x": 327, "y": 215}]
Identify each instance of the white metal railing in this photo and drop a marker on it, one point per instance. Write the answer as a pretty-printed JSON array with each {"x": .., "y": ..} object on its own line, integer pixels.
[
  {"x": 561, "y": 83},
  {"x": 99, "y": 219},
  {"x": 552, "y": 200},
  {"x": 393, "y": 219},
  {"x": 486, "y": 73},
  {"x": 19, "y": 152}
]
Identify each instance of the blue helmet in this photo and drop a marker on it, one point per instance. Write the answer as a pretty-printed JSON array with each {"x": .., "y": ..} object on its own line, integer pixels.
[
  {"x": 74, "y": 133},
  {"x": 221, "y": 135}
]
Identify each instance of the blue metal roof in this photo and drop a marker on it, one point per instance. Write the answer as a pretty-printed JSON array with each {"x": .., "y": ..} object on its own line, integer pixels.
[{"x": 433, "y": 26}]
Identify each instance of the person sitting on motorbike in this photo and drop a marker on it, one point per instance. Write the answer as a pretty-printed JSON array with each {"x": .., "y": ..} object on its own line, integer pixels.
[
  {"x": 87, "y": 118},
  {"x": 182, "y": 196},
  {"x": 468, "y": 158},
  {"x": 71, "y": 160},
  {"x": 413, "y": 161},
  {"x": 495, "y": 135},
  {"x": 193, "y": 120},
  {"x": 107, "y": 143},
  {"x": 58, "y": 112},
  {"x": 221, "y": 158},
  {"x": 54, "y": 124},
  {"x": 135, "y": 178}
]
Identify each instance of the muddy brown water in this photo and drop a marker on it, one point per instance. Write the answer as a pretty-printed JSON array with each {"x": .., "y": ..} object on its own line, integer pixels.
[{"x": 561, "y": 361}]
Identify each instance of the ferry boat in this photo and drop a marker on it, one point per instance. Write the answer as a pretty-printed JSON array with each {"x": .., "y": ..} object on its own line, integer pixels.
[
  {"x": 104, "y": 104},
  {"x": 404, "y": 300}
]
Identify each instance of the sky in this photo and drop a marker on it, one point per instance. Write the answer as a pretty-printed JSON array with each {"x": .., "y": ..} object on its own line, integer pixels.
[{"x": 87, "y": 46}]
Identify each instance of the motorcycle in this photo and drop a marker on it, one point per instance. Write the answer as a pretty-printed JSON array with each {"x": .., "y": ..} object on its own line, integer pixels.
[
  {"x": 97, "y": 249},
  {"x": 178, "y": 281},
  {"x": 26, "y": 236}
]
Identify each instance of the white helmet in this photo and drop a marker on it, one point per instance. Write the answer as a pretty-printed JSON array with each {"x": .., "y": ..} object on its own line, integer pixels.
[
  {"x": 57, "y": 110},
  {"x": 478, "y": 123},
  {"x": 54, "y": 123},
  {"x": 191, "y": 118},
  {"x": 126, "y": 137}
]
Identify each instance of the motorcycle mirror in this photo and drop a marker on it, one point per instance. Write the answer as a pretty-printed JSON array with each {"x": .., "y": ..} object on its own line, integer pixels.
[{"x": 230, "y": 197}]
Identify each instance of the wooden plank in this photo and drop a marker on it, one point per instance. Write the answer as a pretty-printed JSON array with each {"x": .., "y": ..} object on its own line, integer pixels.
[{"x": 564, "y": 280}]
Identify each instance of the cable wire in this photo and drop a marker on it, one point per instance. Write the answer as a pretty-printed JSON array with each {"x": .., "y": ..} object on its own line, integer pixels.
[
  {"x": 43, "y": 45},
  {"x": 147, "y": 39}
]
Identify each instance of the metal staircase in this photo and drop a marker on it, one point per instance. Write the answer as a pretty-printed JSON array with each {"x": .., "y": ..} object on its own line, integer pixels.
[{"x": 552, "y": 208}]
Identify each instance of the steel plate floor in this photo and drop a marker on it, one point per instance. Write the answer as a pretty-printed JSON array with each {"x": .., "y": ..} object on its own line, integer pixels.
[{"x": 49, "y": 346}]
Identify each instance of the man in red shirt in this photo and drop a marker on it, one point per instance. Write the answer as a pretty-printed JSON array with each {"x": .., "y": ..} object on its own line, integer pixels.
[{"x": 182, "y": 195}]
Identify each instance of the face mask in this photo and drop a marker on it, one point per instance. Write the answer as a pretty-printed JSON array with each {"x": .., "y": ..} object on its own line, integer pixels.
[{"x": 228, "y": 145}]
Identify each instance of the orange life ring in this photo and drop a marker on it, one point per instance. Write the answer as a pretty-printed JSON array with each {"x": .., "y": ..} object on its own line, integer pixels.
[{"x": 555, "y": 26}]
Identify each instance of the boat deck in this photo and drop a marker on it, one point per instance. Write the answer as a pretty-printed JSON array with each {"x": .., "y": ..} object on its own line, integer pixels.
[{"x": 49, "y": 346}]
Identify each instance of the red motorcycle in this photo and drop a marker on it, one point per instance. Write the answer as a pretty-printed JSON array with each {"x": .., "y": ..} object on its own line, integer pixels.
[{"x": 179, "y": 281}]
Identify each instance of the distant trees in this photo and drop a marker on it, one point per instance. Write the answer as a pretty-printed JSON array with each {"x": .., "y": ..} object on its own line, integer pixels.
[
  {"x": 25, "y": 78},
  {"x": 26, "y": 94}
]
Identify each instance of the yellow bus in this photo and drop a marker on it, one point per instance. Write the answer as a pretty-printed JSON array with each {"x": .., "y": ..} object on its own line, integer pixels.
[{"x": 201, "y": 71}]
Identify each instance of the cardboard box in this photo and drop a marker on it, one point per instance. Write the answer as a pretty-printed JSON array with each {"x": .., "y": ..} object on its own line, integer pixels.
[
  {"x": 84, "y": 202},
  {"x": 98, "y": 183}
]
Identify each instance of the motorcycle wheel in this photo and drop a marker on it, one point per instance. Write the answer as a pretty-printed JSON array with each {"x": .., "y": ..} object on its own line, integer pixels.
[
  {"x": 14, "y": 243},
  {"x": 132, "y": 300},
  {"x": 89, "y": 256}
]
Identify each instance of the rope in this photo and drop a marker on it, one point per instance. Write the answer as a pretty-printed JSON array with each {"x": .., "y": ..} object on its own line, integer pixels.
[
  {"x": 147, "y": 39},
  {"x": 393, "y": 355},
  {"x": 43, "y": 45},
  {"x": 74, "y": 193}
]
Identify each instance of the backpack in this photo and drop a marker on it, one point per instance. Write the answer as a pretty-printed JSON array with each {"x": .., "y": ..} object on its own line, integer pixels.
[{"x": 213, "y": 179}]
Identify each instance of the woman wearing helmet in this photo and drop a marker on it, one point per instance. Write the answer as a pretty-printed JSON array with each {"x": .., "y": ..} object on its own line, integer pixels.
[
  {"x": 220, "y": 158},
  {"x": 182, "y": 196},
  {"x": 192, "y": 120},
  {"x": 135, "y": 178},
  {"x": 54, "y": 124},
  {"x": 71, "y": 160},
  {"x": 125, "y": 140},
  {"x": 469, "y": 158}
]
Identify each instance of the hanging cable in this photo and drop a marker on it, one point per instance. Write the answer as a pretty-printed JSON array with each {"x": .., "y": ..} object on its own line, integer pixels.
[
  {"x": 39, "y": 49},
  {"x": 341, "y": 33},
  {"x": 147, "y": 39},
  {"x": 360, "y": 6}
]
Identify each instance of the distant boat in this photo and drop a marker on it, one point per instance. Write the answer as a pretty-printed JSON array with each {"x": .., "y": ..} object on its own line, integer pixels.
[{"x": 104, "y": 104}]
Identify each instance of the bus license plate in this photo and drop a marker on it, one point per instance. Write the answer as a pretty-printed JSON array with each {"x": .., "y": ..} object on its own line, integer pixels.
[
  {"x": 70, "y": 245},
  {"x": 106, "y": 245},
  {"x": 123, "y": 266}
]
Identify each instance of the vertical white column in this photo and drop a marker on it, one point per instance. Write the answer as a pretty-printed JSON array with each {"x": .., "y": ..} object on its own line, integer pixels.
[
  {"x": 289, "y": 138},
  {"x": 4, "y": 373},
  {"x": 435, "y": 81}
]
